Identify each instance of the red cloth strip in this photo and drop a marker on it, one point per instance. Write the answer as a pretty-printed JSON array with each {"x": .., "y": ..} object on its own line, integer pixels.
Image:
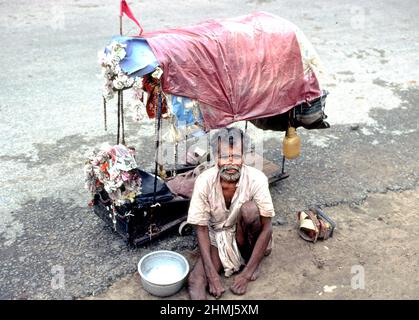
[{"x": 126, "y": 9}]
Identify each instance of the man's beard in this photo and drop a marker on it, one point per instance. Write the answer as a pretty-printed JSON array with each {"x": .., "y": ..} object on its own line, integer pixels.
[{"x": 230, "y": 177}]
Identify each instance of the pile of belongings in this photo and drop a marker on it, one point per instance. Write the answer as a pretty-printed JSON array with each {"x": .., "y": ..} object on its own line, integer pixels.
[
  {"x": 219, "y": 72},
  {"x": 113, "y": 169},
  {"x": 314, "y": 224},
  {"x": 183, "y": 184}
]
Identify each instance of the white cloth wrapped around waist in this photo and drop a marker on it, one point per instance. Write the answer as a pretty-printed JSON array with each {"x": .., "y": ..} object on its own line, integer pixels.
[{"x": 225, "y": 240}]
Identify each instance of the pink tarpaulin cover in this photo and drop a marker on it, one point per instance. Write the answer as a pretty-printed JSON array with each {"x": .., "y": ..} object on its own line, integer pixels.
[{"x": 238, "y": 69}]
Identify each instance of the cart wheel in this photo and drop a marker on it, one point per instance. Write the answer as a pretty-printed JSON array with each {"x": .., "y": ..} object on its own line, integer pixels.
[{"x": 185, "y": 228}]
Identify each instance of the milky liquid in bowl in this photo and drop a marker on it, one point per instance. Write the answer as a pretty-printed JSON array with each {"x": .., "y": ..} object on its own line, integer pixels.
[
  {"x": 164, "y": 270},
  {"x": 163, "y": 274}
]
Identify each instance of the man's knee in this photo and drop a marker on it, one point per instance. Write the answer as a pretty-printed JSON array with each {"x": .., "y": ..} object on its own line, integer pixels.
[{"x": 249, "y": 213}]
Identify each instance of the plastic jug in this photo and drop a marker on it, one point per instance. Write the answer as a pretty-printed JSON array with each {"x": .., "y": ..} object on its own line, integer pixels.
[{"x": 292, "y": 144}]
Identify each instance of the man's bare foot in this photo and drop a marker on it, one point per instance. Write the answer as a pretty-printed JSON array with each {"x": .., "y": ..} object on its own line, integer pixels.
[
  {"x": 216, "y": 288},
  {"x": 239, "y": 285},
  {"x": 255, "y": 274},
  {"x": 197, "y": 294},
  {"x": 197, "y": 289}
]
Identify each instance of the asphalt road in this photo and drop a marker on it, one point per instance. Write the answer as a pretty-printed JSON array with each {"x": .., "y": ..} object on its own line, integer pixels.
[{"x": 51, "y": 114}]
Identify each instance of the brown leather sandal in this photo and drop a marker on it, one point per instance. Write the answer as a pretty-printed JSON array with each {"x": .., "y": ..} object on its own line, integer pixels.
[{"x": 314, "y": 224}]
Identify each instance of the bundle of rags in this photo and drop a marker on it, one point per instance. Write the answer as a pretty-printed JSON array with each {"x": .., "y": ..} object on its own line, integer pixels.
[{"x": 113, "y": 169}]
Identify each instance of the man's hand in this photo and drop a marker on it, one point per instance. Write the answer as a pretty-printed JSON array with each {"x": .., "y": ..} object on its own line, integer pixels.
[
  {"x": 214, "y": 282},
  {"x": 215, "y": 286},
  {"x": 239, "y": 285},
  {"x": 251, "y": 271}
]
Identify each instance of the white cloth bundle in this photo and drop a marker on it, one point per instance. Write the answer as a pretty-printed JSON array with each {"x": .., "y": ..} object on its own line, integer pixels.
[{"x": 228, "y": 251}]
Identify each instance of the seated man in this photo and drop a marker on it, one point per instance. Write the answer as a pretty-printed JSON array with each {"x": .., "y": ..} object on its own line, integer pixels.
[{"x": 232, "y": 209}]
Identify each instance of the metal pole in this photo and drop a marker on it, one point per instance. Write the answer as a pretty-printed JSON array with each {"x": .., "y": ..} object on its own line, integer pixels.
[
  {"x": 283, "y": 164},
  {"x": 119, "y": 117},
  {"x": 104, "y": 114},
  {"x": 186, "y": 147},
  {"x": 158, "y": 119},
  {"x": 208, "y": 148},
  {"x": 176, "y": 159},
  {"x": 122, "y": 118},
  {"x": 121, "y": 97}
]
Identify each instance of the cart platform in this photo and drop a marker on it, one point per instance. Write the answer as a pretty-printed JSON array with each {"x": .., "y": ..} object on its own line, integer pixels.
[{"x": 141, "y": 222}]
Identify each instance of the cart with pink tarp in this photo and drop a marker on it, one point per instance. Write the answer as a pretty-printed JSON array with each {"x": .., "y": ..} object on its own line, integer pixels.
[{"x": 256, "y": 68}]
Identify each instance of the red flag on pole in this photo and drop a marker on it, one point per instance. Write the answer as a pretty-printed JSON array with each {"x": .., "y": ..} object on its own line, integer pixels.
[{"x": 126, "y": 9}]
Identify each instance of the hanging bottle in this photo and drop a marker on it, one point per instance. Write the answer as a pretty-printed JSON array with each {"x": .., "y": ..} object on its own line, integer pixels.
[{"x": 291, "y": 147}]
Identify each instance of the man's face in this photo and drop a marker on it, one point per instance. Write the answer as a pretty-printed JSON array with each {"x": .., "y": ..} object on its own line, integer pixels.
[{"x": 230, "y": 161}]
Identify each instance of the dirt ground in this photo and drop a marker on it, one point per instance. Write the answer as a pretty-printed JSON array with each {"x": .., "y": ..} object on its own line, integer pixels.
[{"x": 372, "y": 255}]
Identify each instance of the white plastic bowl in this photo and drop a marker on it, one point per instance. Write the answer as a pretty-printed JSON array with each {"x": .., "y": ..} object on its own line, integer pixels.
[{"x": 163, "y": 272}]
